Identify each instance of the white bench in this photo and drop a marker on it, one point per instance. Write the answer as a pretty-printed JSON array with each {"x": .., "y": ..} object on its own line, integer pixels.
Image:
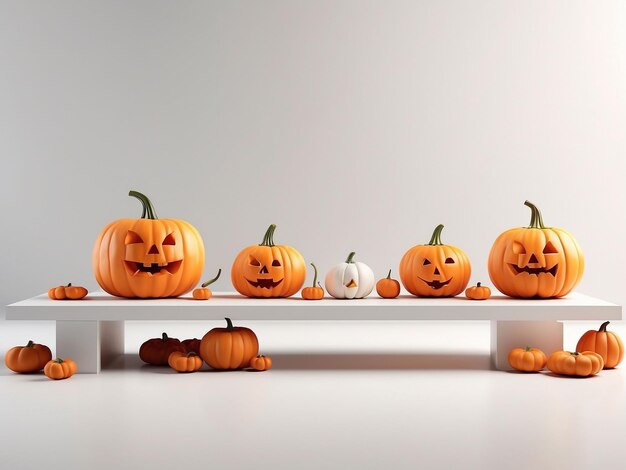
[{"x": 91, "y": 330}]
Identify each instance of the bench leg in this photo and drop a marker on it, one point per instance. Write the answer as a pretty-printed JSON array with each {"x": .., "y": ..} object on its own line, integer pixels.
[
  {"x": 90, "y": 343},
  {"x": 507, "y": 335}
]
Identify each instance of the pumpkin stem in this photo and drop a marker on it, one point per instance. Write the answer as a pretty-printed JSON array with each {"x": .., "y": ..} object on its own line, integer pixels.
[
  {"x": 527, "y": 348},
  {"x": 350, "y": 256},
  {"x": 576, "y": 353},
  {"x": 164, "y": 336},
  {"x": 536, "y": 221},
  {"x": 318, "y": 283},
  {"x": 148, "y": 209},
  {"x": 69, "y": 284},
  {"x": 389, "y": 275},
  {"x": 211, "y": 281},
  {"x": 315, "y": 275},
  {"x": 59, "y": 360},
  {"x": 30, "y": 343},
  {"x": 436, "y": 238},
  {"x": 478, "y": 284},
  {"x": 191, "y": 353},
  {"x": 268, "y": 238},
  {"x": 603, "y": 327},
  {"x": 229, "y": 324}
]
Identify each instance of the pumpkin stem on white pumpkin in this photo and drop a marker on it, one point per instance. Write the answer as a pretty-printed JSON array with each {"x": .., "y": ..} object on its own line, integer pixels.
[
  {"x": 603, "y": 327},
  {"x": 350, "y": 257},
  {"x": 268, "y": 238},
  {"x": 211, "y": 281},
  {"x": 148, "y": 209},
  {"x": 315, "y": 275},
  {"x": 436, "y": 238},
  {"x": 536, "y": 221}
]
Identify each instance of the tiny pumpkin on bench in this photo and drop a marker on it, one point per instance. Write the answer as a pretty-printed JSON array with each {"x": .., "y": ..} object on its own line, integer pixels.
[
  {"x": 229, "y": 348},
  {"x": 261, "y": 362},
  {"x": 527, "y": 359},
  {"x": 30, "y": 358},
  {"x": 205, "y": 293},
  {"x": 68, "y": 292},
  {"x": 156, "y": 351},
  {"x": 184, "y": 362},
  {"x": 577, "y": 364},
  {"x": 314, "y": 292},
  {"x": 388, "y": 288},
  {"x": 58, "y": 368},
  {"x": 605, "y": 343},
  {"x": 478, "y": 292}
]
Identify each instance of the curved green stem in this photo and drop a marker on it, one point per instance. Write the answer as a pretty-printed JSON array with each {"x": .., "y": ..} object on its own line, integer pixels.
[
  {"x": 350, "y": 257},
  {"x": 268, "y": 238},
  {"x": 211, "y": 281},
  {"x": 30, "y": 344},
  {"x": 148, "y": 211},
  {"x": 603, "y": 327},
  {"x": 436, "y": 238},
  {"x": 229, "y": 324},
  {"x": 389, "y": 275},
  {"x": 536, "y": 221},
  {"x": 315, "y": 276}
]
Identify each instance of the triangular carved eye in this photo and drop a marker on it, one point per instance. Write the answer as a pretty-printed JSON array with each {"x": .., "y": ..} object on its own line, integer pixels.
[
  {"x": 132, "y": 237},
  {"x": 275, "y": 263},
  {"x": 449, "y": 261},
  {"x": 253, "y": 261},
  {"x": 426, "y": 262},
  {"x": 169, "y": 240},
  {"x": 549, "y": 248},
  {"x": 518, "y": 248}
]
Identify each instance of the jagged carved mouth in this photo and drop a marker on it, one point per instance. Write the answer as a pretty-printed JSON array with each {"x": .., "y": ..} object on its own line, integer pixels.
[
  {"x": 517, "y": 270},
  {"x": 264, "y": 283},
  {"x": 152, "y": 269},
  {"x": 436, "y": 284}
]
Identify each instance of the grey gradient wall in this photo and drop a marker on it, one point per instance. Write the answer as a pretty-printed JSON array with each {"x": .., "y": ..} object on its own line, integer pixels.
[{"x": 352, "y": 125}]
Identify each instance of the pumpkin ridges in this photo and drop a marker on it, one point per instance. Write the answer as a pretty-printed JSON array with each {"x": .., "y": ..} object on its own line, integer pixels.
[{"x": 574, "y": 275}]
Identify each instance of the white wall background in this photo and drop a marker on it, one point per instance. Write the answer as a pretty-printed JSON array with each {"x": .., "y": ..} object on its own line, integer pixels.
[{"x": 352, "y": 125}]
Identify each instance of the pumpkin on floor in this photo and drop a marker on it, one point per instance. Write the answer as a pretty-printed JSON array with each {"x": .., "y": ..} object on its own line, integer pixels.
[
  {"x": 59, "y": 369},
  {"x": 536, "y": 261},
  {"x": 26, "y": 359},
  {"x": 388, "y": 288},
  {"x": 156, "y": 351},
  {"x": 268, "y": 270},
  {"x": 204, "y": 293},
  {"x": 68, "y": 292},
  {"x": 261, "y": 363},
  {"x": 184, "y": 362},
  {"x": 191, "y": 345},
  {"x": 350, "y": 279},
  {"x": 229, "y": 348},
  {"x": 435, "y": 269},
  {"x": 527, "y": 359},
  {"x": 478, "y": 292},
  {"x": 314, "y": 292},
  {"x": 582, "y": 364},
  {"x": 606, "y": 343},
  {"x": 148, "y": 257}
]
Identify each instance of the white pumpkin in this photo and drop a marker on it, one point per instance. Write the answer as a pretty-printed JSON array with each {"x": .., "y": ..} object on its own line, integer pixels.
[{"x": 350, "y": 280}]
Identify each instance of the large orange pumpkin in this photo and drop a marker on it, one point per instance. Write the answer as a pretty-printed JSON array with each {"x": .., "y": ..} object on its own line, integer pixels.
[
  {"x": 605, "y": 343},
  {"x": 148, "y": 257},
  {"x": 229, "y": 348},
  {"x": 268, "y": 270},
  {"x": 435, "y": 269},
  {"x": 30, "y": 358},
  {"x": 536, "y": 261}
]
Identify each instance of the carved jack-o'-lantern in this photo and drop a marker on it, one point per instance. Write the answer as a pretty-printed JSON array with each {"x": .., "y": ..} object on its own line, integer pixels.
[
  {"x": 148, "y": 257},
  {"x": 268, "y": 270},
  {"x": 535, "y": 261},
  {"x": 435, "y": 269}
]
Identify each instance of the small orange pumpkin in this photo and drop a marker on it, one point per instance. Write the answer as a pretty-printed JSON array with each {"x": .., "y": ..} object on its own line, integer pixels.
[
  {"x": 68, "y": 292},
  {"x": 435, "y": 269},
  {"x": 191, "y": 345},
  {"x": 313, "y": 292},
  {"x": 156, "y": 351},
  {"x": 605, "y": 343},
  {"x": 184, "y": 362},
  {"x": 527, "y": 359},
  {"x": 205, "y": 293},
  {"x": 268, "y": 270},
  {"x": 261, "y": 362},
  {"x": 388, "y": 288},
  {"x": 30, "y": 358},
  {"x": 582, "y": 364},
  {"x": 60, "y": 369},
  {"x": 229, "y": 348},
  {"x": 478, "y": 292}
]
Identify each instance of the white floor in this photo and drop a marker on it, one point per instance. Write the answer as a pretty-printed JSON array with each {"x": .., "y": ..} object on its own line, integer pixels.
[{"x": 348, "y": 395}]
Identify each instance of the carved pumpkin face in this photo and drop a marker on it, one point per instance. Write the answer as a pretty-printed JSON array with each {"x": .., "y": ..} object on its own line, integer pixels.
[
  {"x": 148, "y": 257},
  {"x": 535, "y": 261},
  {"x": 435, "y": 269},
  {"x": 268, "y": 270}
]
